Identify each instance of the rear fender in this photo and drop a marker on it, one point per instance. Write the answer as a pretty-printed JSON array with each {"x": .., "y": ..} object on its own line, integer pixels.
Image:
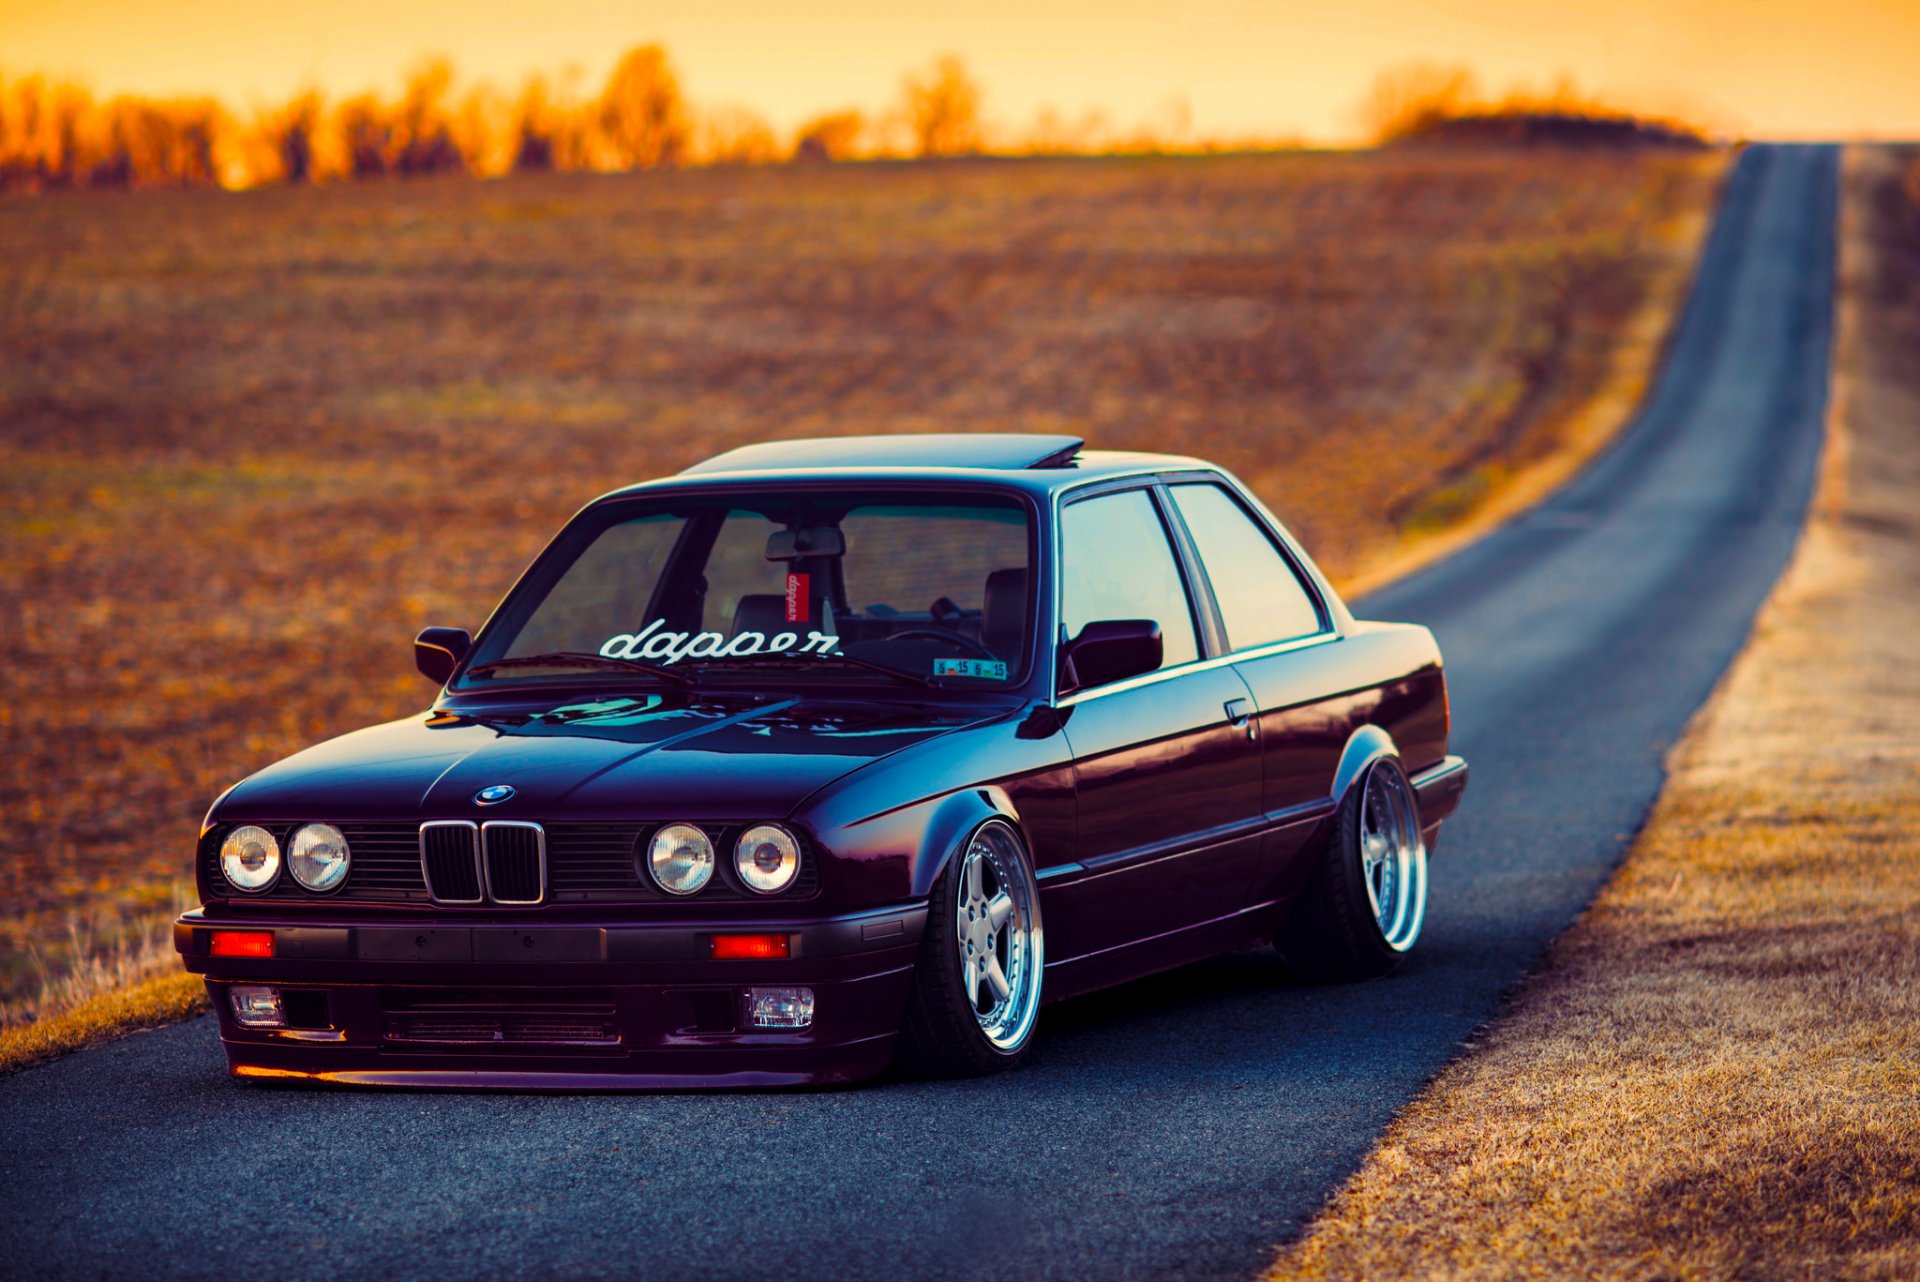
[{"x": 1367, "y": 745}]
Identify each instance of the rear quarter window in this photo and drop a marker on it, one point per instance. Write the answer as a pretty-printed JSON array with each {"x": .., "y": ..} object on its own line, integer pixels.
[{"x": 1261, "y": 597}]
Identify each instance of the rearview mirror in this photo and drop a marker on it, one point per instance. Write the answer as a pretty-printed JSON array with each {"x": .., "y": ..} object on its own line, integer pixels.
[
  {"x": 1112, "y": 650},
  {"x": 438, "y": 651},
  {"x": 817, "y": 540}
]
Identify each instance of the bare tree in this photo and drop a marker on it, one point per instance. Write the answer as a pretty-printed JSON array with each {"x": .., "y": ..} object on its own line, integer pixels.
[
  {"x": 732, "y": 135},
  {"x": 1413, "y": 98},
  {"x": 366, "y": 133},
  {"x": 642, "y": 117},
  {"x": 833, "y": 136},
  {"x": 43, "y": 125},
  {"x": 293, "y": 132},
  {"x": 197, "y": 125},
  {"x": 483, "y": 131},
  {"x": 942, "y": 109},
  {"x": 422, "y": 128},
  {"x": 535, "y": 128}
]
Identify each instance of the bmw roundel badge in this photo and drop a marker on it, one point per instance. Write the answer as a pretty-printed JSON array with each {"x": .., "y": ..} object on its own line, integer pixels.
[{"x": 493, "y": 794}]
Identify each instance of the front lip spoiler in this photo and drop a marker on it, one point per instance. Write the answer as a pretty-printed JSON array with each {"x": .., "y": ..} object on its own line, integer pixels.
[
  {"x": 836, "y": 1065},
  {"x": 513, "y": 946}
]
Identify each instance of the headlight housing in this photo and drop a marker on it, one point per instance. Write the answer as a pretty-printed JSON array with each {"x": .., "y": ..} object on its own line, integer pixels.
[
  {"x": 250, "y": 858},
  {"x": 680, "y": 857},
  {"x": 318, "y": 856},
  {"x": 767, "y": 857}
]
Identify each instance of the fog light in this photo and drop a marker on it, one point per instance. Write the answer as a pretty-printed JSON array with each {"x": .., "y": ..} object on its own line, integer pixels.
[
  {"x": 257, "y": 1007},
  {"x": 779, "y": 1007}
]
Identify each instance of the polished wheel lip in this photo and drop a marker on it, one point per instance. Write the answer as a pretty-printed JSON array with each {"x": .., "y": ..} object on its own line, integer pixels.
[
  {"x": 998, "y": 934},
  {"x": 1393, "y": 855}
]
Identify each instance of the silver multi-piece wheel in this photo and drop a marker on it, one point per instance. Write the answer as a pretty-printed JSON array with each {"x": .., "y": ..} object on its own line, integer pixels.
[
  {"x": 976, "y": 991},
  {"x": 1393, "y": 856},
  {"x": 996, "y": 929},
  {"x": 1367, "y": 900}
]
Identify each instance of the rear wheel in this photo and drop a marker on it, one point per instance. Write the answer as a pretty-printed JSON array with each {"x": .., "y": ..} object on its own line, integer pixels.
[
  {"x": 1367, "y": 901},
  {"x": 976, "y": 989}
]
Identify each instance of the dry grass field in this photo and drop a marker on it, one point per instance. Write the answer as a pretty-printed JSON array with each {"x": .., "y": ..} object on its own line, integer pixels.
[
  {"x": 1717, "y": 1073},
  {"x": 254, "y": 441}
]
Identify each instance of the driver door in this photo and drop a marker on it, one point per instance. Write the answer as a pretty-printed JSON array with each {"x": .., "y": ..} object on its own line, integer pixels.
[{"x": 1166, "y": 766}]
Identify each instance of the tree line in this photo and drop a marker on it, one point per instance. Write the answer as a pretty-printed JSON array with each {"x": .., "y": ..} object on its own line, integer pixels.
[{"x": 55, "y": 135}]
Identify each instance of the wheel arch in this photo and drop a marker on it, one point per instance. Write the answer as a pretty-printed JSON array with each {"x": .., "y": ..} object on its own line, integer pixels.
[
  {"x": 1368, "y": 744},
  {"x": 951, "y": 821}
]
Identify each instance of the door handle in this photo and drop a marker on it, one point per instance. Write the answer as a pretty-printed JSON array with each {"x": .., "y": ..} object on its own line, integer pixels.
[{"x": 1240, "y": 713}]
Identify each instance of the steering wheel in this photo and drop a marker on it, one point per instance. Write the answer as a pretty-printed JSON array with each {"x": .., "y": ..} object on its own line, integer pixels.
[{"x": 931, "y": 632}]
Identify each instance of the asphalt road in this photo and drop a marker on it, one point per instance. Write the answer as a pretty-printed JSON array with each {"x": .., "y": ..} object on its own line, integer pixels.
[{"x": 1177, "y": 1128}]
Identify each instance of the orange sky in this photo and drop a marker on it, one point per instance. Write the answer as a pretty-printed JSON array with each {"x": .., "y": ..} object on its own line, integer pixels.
[{"x": 1243, "y": 68}]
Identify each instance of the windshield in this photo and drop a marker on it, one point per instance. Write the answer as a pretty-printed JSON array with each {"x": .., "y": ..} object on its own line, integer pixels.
[{"x": 934, "y": 587}]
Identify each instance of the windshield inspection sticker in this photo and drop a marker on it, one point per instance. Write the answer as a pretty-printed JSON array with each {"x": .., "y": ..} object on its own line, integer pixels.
[
  {"x": 664, "y": 648},
  {"x": 992, "y": 669}
]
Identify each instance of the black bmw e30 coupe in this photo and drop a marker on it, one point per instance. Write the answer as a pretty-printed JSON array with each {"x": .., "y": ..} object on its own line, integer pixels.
[{"x": 827, "y": 755}]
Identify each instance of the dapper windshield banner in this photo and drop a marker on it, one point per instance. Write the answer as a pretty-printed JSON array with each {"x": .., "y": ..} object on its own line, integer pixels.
[{"x": 656, "y": 646}]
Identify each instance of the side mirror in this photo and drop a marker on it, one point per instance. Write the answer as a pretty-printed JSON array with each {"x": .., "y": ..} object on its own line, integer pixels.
[
  {"x": 1113, "y": 650},
  {"x": 438, "y": 651}
]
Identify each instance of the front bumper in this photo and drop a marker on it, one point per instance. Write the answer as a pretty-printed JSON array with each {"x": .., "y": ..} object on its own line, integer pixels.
[{"x": 557, "y": 1005}]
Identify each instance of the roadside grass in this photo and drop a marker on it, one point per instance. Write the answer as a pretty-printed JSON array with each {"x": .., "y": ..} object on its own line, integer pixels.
[
  {"x": 1716, "y": 1073},
  {"x": 97, "y": 991},
  {"x": 255, "y": 441},
  {"x": 153, "y": 1002}
]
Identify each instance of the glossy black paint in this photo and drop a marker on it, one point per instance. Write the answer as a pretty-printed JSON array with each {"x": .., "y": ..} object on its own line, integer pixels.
[
  {"x": 438, "y": 652},
  {"x": 1170, "y": 815},
  {"x": 1111, "y": 650}
]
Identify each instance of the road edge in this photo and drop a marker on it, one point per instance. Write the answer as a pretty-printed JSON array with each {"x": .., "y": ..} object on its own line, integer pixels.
[{"x": 1453, "y": 1143}]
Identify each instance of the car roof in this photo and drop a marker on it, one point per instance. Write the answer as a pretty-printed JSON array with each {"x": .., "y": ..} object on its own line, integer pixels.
[{"x": 1026, "y": 460}]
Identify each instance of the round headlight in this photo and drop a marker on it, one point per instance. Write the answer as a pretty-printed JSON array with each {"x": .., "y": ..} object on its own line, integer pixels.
[
  {"x": 767, "y": 858},
  {"x": 250, "y": 858},
  {"x": 680, "y": 858},
  {"x": 318, "y": 857}
]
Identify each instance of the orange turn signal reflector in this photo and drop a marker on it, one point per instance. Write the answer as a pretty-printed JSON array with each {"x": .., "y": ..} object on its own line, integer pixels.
[
  {"x": 242, "y": 943},
  {"x": 750, "y": 947}
]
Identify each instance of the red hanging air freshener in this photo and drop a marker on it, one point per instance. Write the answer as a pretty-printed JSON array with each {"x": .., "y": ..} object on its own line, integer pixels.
[{"x": 796, "y": 598}]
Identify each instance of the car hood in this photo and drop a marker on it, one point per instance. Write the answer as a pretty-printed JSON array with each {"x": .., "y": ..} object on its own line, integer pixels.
[{"x": 652, "y": 757}]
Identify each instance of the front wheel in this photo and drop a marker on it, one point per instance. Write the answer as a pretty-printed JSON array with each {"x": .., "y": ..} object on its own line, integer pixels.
[
  {"x": 1363, "y": 909},
  {"x": 976, "y": 989}
]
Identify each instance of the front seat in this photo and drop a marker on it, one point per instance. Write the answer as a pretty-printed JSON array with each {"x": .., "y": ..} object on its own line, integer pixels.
[{"x": 1003, "y": 613}]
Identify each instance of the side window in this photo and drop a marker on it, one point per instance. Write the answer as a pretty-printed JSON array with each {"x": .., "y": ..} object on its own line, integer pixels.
[
  {"x": 1116, "y": 563},
  {"x": 1261, "y": 598}
]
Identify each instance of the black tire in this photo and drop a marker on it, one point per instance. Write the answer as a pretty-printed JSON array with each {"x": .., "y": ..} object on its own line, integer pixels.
[
  {"x": 1333, "y": 933},
  {"x": 942, "y": 1034}
]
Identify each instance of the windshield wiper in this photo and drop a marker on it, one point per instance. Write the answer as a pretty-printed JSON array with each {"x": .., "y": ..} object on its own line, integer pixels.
[
  {"x": 817, "y": 658},
  {"x": 581, "y": 659}
]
